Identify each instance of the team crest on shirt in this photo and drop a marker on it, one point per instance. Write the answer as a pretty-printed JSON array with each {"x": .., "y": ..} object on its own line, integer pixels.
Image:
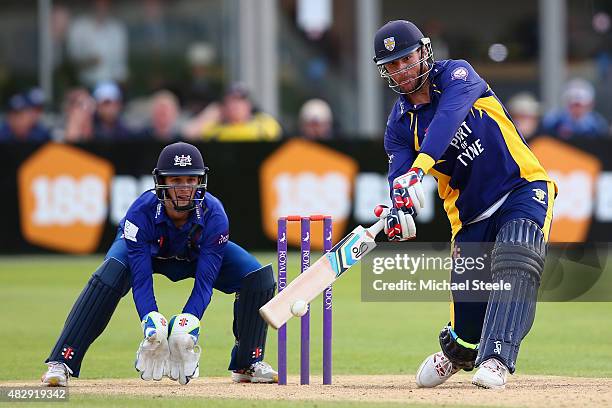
[
  {"x": 459, "y": 73},
  {"x": 539, "y": 195},
  {"x": 390, "y": 43}
]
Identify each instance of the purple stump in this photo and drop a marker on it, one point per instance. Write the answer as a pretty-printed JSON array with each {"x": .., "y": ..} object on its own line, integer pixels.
[
  {"x": 282, "y": 283},
  {"x": 327, "y": 310},
  {"x": 305, "y": 322}
]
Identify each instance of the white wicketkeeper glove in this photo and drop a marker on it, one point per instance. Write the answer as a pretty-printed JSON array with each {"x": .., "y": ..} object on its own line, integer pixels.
[
  {"x": 183, "y": 336},
  {"x": 153, "y": 352}
]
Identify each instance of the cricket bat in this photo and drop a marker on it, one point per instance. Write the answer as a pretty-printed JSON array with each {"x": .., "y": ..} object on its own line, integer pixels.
[{"x": 321, "y": 274}]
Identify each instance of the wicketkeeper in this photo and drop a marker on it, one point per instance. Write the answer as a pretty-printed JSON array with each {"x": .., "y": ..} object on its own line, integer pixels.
[{"x": 181, "y": 231}]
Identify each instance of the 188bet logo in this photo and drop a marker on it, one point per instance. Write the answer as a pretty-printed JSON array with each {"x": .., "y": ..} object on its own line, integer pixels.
[
  {"x": 305, "y": 178},
  {"x": 63, "y": 198}
]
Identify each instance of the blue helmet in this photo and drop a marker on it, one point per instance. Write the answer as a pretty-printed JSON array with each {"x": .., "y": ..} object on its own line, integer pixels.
[
  {"x": 397, "y": 39},
  {"x": 180, "y": 159}
]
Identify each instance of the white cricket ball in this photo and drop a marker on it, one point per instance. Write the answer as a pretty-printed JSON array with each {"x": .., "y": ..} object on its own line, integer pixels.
[{"x": 299, "y": 308}]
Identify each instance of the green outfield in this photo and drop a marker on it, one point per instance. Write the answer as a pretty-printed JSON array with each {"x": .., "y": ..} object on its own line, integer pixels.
[{"x": 36, "y": 293}]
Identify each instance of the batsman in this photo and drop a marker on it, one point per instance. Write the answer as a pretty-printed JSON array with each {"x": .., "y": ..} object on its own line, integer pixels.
[
  {"x": 179, "y": 230},
  {"x": 447, "y": 122}
]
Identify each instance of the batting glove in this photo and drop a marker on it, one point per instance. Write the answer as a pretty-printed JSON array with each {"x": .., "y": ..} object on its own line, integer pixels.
[
  {"x": 408, "y": 192},
  {"x": 399, "y": 225},
  {"x": 153, "y": 352},
  {"x": 184, "y": 352}
]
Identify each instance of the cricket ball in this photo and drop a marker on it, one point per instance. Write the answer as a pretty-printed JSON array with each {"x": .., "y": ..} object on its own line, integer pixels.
[{"x": 299, "y": 308}]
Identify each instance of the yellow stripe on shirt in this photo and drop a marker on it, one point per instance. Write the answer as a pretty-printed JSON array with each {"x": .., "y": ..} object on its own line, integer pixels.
[
  {"x": 549, "y": 211},
  {"x": 450, "y": 196},
  {"x": 417, "y": 147},
  {"x": 529, "y": 166}
]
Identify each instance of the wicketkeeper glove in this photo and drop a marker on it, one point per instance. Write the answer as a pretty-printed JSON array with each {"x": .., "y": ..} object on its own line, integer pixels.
[
  {"x": 153, "y": 352},
  {"x": 399, "y": 225},
  {"x": 185, "y": 353},
  {"x": 408, "y": 193}
]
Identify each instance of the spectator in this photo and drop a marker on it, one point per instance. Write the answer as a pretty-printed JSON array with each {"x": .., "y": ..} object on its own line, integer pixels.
[
  {"x": 577, "y": 119},
  {"x": 108, "y": 123},
  {"x": 98, "y": 46},
  {"x": 525, "y": 112},
  {"x": 60, "y": 23},
  {"x": 36, "y": 99},
  {"x": 154, "y": 26},
  {"x": 79, "y": 108},
  {"x": 22, "y": 122},
  {"x": 233, "y": 120},
  {"x": 164, "y": 117},
  {"x": 316, "y": 120},
  {"x": 200, "y": 90}
]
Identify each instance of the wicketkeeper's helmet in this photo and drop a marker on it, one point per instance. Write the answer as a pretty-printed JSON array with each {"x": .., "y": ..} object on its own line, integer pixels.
[{"x": 180, "y": 159}]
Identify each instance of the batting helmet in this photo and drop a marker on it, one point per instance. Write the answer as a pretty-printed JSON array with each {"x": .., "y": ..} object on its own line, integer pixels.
[{"x": 395, "y": 40}]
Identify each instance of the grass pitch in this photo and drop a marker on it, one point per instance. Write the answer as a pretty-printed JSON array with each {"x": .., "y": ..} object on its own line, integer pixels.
[{"x": 36, "y": 293}]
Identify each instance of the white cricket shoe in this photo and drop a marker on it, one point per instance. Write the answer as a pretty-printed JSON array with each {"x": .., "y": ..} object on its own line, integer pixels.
[
  {"x": 259, "y": 372},
  {"x": 435, "y": 370},
  {"x": 57, "y": 375},
  {"x": 491, "y": 374}
]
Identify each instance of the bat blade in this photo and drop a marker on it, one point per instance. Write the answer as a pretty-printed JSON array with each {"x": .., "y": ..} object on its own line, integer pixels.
[
  {"x": 305, "y": 287},
  {"x": 314, "y": 280}
]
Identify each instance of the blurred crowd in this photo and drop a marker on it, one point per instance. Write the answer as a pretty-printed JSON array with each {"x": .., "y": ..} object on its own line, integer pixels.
[
  {"x": 103, "y": 114},
  {"x": 96, "y": 106},
  {"x": 576, "y": 118}
]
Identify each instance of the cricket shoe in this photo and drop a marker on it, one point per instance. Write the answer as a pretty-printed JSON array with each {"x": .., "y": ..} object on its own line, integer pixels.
[
  {"x": 436, "y": 369},
  {"x": 259, "y": 372},
  {"x": 491, "y": 374},
  {"x": 57, "y": 375}
]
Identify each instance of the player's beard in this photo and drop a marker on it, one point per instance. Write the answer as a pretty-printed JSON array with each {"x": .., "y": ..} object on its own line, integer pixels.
[
  {"x": 408, "y": 86},
  {"x": 414, "y": 84}
]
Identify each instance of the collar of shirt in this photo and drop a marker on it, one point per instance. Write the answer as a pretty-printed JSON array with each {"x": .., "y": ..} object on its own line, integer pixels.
[{"x": 405, "y": 105}]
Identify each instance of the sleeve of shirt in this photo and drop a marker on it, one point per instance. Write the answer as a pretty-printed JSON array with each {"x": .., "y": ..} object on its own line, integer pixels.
[
  {"x": 138, "y": 233},
  {"x": 461, "y": 86},
  {"x": 399, "y": 152},
  {"x": 212, "y": 247}
]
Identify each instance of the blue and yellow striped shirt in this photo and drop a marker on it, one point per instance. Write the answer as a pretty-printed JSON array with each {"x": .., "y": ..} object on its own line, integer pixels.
[{"x": 464, "y": 138}]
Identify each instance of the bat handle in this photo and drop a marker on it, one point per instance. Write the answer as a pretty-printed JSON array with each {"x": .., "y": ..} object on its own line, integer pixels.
[
  {"x": 376, "y": 228},
  {"x": 382, "y": 212}
]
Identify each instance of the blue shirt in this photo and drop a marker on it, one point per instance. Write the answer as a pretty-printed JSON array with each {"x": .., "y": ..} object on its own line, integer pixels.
[
  {"x": 38, "y": 133},
  {"x": 561, "y": 124},
  {"x": 464, "y": 138},
  {"x": 149, "y": 233}
]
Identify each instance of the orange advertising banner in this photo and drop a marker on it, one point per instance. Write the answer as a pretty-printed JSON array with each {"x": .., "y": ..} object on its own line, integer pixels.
[
  {"x": 63, "y": 198},
  {"x": 306, "y": 178},
  {"x": 576, "y": 173}
]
